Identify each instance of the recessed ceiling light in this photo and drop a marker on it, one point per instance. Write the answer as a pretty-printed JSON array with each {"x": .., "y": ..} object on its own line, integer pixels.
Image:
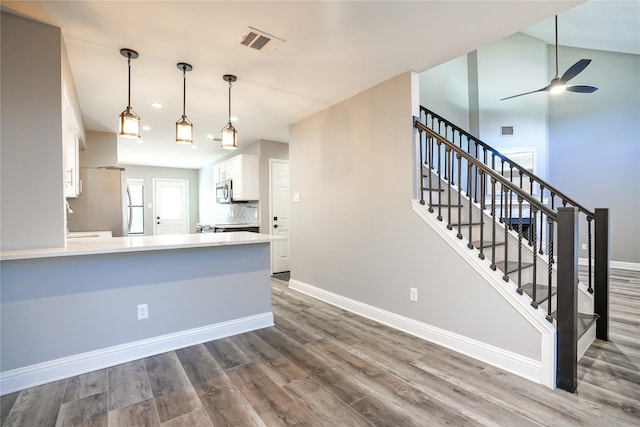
[
  {"x": 156, "y": 105},
  {"x": 210, "y": 136},
  {"x": 195, "y": 147},
  {"x": 146, "y": 127}
]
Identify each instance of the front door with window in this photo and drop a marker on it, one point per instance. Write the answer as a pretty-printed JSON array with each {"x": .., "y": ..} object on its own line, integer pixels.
[{"x": 171, "y": 202}]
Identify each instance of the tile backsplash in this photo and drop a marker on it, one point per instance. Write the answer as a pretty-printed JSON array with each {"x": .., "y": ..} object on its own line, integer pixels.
[{"x": 237, "y": 213}]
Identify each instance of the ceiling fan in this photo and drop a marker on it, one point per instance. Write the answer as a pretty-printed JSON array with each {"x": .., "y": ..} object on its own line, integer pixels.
[{"x": 559, "y": 84}]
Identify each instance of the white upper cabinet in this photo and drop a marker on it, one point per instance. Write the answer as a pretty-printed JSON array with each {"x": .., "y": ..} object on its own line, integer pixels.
[
  {"x": 243, "y": 171},
  {"x": 71, "y": 146}
]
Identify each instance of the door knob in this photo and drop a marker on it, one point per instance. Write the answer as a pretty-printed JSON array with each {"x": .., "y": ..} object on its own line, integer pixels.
[{"x": 275, "y": 225}]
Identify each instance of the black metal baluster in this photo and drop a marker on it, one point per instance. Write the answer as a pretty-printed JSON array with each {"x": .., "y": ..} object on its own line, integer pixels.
[
  {"x": 510, "y": 200},
  {"x": 505, "y": 277},
  {"x": 550, "y": 238},
  {"x": 446, "y": 163},
  {"x": 469, "y": 171},
  {"x": 531, "y": 220},
  {"x": 520, "y": 244},
  {"x": 459, "y": 235},
  {"x": 430, "y": 170},
  {"x": 589, "y": 247},
  {"x": 422, "y": 165},
  {"x": 439, "y": 180},
  {"x": 449, "y": 163},
  {"x": 482, "y": 209},
  {"x": 502, "y": 200},
  {"x": 541, "y": 219},
  {"x": 493, "y": 223},
  {"x": 534, "y": 234},
  {"x": 476, "y": 175}
]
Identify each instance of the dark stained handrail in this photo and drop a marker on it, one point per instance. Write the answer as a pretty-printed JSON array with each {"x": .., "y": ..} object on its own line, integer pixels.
[
  {"x": 521, "y": 169},
  {"x": 488, "y": 170}
]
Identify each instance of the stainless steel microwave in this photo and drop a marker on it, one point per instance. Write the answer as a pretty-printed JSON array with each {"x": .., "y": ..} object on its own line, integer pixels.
[{"x": 224, "y": 191}]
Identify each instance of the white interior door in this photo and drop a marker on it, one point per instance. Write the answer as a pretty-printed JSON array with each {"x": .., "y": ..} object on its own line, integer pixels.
[
  {"x": 279, "y": 218},
  {"x": 171, "y": 202}
]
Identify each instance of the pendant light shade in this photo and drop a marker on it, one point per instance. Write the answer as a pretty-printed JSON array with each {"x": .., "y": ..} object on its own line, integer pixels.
[
  {"x": 184, "y": 128},
  {"x": 229, "y": 133},
  {"x": 129, "y": 126}
]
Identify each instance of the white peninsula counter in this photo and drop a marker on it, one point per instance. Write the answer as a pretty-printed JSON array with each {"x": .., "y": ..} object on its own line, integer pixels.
[{"x": 71, "y": 310}]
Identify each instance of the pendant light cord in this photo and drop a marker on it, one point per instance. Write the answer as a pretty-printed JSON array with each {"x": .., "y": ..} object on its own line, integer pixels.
[
  {"x": 184, "y": 89},
  {"x": 557, "y": 46},
  {"x": 229, "y": 102},
  {"x": 129, "y": 93}
]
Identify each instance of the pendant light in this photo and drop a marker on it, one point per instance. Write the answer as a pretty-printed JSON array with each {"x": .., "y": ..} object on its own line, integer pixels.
[
  {"x": 184, "y": 128},
  {"x": 229, "y": 133},
  {"x": 129, "y": 121}
]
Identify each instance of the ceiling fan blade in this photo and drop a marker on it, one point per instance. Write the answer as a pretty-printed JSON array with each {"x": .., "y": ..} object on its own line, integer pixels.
[
  {"x": 527, "y": 93},
  {"x": 574, "y": 70},
  {"x": 581, "y": 88}
]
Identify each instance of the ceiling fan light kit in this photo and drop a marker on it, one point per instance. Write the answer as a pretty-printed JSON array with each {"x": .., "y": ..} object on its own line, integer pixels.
[{"x": 559, "y": 84}]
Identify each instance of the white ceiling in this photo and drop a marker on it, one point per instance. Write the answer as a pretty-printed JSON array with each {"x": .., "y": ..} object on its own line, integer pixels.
[{"x": 333, "y": 50}]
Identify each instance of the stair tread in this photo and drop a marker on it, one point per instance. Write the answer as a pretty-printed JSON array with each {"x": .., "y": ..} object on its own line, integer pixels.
[
  {"x": 585, "y": 321},
  {"x": 542, "y": 291},
  {"x": 485, "y": 244},
  {"x": 466, "y": 223},
  {"x": 512, "y": 266}
]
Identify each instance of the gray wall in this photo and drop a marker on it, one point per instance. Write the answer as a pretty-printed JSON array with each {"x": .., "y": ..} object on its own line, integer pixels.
[
  {"x": 148, "y": 173},
  {"x": 31, "y": 151},
  {"x": 355, "y": 234},
  {"x": 594, "y": 143},
  {"x": 587, "y": 146},
  {"x": 48, "y": 313},
  {"x": 101, "y": 149}
]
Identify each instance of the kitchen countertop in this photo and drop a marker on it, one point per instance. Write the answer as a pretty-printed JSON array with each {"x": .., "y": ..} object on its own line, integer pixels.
[
  {"x": 77, "y": 247},
  {"x": 235, "y": 225}
]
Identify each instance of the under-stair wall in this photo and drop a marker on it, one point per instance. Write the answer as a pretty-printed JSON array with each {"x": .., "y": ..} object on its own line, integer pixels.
[{"x": 526, "y": 229}]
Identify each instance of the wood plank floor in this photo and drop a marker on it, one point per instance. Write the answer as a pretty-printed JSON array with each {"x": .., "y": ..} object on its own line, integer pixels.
[{"x": 322, "y": 366}]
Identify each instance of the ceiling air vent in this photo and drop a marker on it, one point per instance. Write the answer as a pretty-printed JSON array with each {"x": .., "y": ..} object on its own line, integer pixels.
[{"x": 260, "y": 40}]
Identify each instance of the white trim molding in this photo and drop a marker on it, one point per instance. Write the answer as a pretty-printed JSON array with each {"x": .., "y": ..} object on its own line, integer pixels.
[
  {"x": 53, "y": 370},
  {"x": 528, "y": 368},
  {"x": 622, "y": 265}
]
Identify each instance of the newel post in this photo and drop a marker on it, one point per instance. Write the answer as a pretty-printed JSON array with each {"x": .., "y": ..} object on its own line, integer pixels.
[
  {"x": 567, "y": 314},
  {"x": 601, "y": 273}
]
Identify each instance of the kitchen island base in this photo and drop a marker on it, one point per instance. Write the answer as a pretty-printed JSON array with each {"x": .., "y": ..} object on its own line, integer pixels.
[{"x": 66, "y": 315}]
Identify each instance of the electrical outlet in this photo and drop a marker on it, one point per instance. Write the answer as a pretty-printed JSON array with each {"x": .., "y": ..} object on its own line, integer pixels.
[
  {"x": 413, "y": 294},
  {"x": 143, "y": 311},
  {"x": 584, "y": 246}
]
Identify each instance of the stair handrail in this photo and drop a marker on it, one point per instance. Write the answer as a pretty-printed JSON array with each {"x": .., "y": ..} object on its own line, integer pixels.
[
  {"x": 520, "y": 169},
  {"x": 488, "y": 170}
]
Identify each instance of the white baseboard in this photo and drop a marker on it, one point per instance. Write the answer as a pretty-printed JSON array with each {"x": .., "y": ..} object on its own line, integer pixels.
[
  {"x": 53, "y": 370},
  {"x": 515, "y": 363},
  {"x": 622, "y": 265}
]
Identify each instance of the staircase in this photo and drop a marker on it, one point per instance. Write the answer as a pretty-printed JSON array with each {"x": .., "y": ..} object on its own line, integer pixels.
[{"x": 524, "y": 228}]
